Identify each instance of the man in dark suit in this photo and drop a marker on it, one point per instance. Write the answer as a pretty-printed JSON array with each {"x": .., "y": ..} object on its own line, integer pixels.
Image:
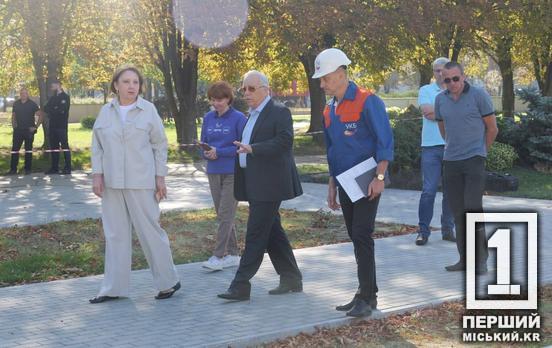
[{"x": 265, "y": 175}]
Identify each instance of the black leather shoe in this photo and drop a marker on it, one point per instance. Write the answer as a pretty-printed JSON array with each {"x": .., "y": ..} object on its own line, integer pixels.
[
  {"x": 234, "y": 295},
  {"x": 167, "y": 293},
  {"x": 459, "y": 266},
  {"x": 28, "y": 172},
  {"x": 284, "y": 288},
  {"x": 350, "y": 305},
  {"x": 347, "y": 306},
  {"x": 448, "y": 236},
  {"x": 51, "y": 171},
  {"x": 421, "y": 239},
  {"x": 66, "y": 171},
  {"x": 100, "y": 299},
  {"x": 12, "y": 172},
  {"x": 360, "y": 309}
]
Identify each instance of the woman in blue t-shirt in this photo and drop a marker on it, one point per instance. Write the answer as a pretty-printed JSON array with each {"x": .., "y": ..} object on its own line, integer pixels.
[{"x": 221, "y": 127}]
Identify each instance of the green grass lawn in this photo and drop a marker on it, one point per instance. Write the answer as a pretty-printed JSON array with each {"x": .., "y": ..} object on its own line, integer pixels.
[
  {"x": 532, "y": 184},
  {"x": 81, "y": 138},
  {"x": 68, "y": 249},
  {"x": 79, "y": 141}
]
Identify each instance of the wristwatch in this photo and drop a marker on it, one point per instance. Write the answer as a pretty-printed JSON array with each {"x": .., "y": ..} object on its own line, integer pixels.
[{"x": 380, "y": 177}]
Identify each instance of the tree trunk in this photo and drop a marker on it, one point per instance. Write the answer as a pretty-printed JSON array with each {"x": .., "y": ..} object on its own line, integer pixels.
[
  {"x": 547, "y": 90},
  {"x": 504, "y": 61},
  {"x": 105, "y": 90},
  {"x": 185, "y": 82},
  {"x": 426, "y": 73},
  {"x": 178, "y": 62},
  {"x": 457, "y": 45},
  {"x": 317, "y": 98}
]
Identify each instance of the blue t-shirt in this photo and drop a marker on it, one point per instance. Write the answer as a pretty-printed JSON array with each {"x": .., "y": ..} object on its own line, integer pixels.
[
  {"x": 463, "y": 120},
  {"x": 430, "y": 128},
  {"x": 220, "y": 132}
]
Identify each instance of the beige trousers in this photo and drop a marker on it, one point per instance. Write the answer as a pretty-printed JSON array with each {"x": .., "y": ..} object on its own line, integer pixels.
[
  {"x": 122, "y": 212},
  {"x": 222, "y": 190}
]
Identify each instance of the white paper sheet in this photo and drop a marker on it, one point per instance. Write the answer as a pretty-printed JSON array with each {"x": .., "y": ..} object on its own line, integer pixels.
[{"x": 348, "y": 182}]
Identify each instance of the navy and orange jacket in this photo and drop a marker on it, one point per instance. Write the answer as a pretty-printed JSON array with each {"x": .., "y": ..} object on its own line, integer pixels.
[{"x": 356, "y": 130}]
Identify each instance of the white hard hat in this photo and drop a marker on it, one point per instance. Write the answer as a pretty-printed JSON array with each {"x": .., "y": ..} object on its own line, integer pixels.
[{"x": 328, "y": 61}]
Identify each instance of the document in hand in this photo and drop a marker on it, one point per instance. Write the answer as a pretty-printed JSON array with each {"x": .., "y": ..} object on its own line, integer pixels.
[{"x": 355, "y": 181}]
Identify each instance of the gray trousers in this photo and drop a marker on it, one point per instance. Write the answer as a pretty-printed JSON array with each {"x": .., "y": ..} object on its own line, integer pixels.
[
  {"x": 122, "y": 212},
  {"x": 222, "y": 191}
]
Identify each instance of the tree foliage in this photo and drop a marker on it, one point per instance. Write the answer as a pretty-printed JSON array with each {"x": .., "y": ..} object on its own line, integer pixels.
[
  {"x": 48, "y": 27},
  {"x": 426, "y": 30},
  {"x": 535, "y": 41},
  {"x": 82, "y": 42},
  {"x": 16, "y": 68},
  {"x": 103, "y": 41}
]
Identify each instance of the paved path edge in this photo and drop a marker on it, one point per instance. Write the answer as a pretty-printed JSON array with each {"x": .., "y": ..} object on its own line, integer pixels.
[{"x": 269, "y": 337}]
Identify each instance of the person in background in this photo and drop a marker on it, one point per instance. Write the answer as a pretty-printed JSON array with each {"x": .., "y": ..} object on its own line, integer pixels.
[
  {"x": 265, "y": 175},
  {"x": 129, "y": 165},
  {"x": 220, "y": 128},
  {"x": 57, "y": 109},
  {"x": 433, "y": 148},
  {"x": 468, "y": 124},
  {"x": 356, "y": 127},
  {"x": 24, "y": 129}
]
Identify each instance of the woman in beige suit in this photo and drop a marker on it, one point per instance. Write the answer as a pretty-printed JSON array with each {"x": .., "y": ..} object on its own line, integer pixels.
[{"x": 129, "y": 165}]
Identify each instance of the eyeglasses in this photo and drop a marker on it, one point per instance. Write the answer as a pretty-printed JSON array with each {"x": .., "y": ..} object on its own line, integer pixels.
[
  {"x": 454, "y": 78},
  {"x": 251, "y": 89}
]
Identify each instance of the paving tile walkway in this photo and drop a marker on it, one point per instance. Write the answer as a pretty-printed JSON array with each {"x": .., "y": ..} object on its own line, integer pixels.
[{"x": 56, "y": 314}]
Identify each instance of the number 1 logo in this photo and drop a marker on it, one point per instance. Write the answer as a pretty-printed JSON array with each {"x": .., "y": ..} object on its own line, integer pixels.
[{"x": 501, "y": 241}]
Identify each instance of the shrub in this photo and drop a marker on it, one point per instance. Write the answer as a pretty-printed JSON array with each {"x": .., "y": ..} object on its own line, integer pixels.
[
  {"x": 88, "y": 122},
  {"x": 501, "y": 157},
  {"x": 535, "y": 129},
  {"x": 407, "y": 129},
  {"x": 394, "y": 112}
]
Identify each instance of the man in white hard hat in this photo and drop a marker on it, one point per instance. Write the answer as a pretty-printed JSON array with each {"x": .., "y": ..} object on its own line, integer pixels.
[{"x": 356, "y": 127}]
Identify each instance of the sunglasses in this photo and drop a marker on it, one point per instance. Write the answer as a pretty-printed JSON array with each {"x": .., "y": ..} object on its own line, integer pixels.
[
  {"x": 250, "y": 89},
  {"x": 454, "y": 78}
]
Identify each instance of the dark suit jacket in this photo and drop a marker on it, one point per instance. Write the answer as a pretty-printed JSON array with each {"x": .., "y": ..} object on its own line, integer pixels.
[{"x": 271, "y": 174}]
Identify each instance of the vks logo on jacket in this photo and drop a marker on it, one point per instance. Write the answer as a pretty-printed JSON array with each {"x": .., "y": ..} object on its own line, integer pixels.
[{"x": 350, "y": 129}]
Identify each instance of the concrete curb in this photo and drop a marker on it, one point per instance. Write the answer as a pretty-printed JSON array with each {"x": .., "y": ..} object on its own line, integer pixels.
[{"x": 254, "y": 340}]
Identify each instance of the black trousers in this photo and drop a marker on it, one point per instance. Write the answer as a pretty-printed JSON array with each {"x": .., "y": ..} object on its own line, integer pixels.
[
  {"x": 265, "y": 232},
  {"x": 20, "y": 136},
  {"x": 465, "y": 183},
  {"x": 360, "y": 218},
  {"x": 58, "y": 136}
]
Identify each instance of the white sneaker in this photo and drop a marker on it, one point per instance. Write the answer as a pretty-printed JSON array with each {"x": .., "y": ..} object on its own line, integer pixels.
[
  {"x": 214, "y": 263},
  {"x": 230, "y": 261}
]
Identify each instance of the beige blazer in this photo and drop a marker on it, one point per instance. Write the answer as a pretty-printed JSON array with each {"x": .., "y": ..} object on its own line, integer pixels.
[{"x": 129, "y": 155}]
